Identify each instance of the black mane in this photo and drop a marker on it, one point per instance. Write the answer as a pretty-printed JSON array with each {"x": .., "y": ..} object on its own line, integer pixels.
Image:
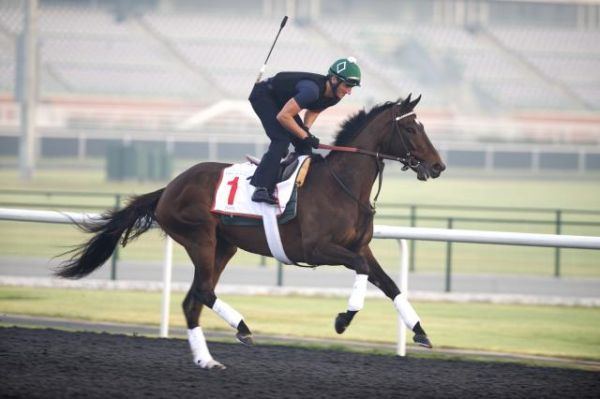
[{"x": 353, "y": 125}]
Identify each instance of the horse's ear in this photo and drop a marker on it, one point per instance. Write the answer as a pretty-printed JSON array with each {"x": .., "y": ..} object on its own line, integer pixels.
[
  {"x": 407, "y": 99},
  {"x": 414, "y": 103}
]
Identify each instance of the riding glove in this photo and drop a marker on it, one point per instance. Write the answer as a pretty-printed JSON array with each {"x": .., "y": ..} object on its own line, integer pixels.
[{"x": 311, "y": 140}]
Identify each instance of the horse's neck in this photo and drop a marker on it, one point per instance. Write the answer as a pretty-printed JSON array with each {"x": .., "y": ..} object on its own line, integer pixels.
[{"x": 360, "y": 171}]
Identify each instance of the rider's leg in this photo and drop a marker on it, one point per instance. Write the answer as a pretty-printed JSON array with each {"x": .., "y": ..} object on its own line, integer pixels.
[
  {"x": 267, "y": 171},
  {"x": 265, "y": 107}
]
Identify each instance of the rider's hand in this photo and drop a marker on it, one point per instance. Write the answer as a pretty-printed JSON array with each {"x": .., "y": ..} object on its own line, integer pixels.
[{"x": 311, "y": 140}]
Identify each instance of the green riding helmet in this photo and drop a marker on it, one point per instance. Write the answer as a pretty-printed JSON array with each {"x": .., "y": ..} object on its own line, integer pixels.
[{"x": 347, "y": 70}]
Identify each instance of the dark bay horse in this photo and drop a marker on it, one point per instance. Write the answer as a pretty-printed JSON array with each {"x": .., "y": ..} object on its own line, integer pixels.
[{"x": 334, "y": 222}]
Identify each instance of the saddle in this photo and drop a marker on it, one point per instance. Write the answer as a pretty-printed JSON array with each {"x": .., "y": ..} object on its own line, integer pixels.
[
  {"x": 232, "y": 200},
  {"x": 287, "y": 166}
]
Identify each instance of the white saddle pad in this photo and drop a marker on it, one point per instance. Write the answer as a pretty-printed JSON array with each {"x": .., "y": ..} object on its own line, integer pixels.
[{"x": 234, "y": 191}]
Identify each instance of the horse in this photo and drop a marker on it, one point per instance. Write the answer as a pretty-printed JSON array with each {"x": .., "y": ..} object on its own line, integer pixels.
[{"x": 333, "y": 225}]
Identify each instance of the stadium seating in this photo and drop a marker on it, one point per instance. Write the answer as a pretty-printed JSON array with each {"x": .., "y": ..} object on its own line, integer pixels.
[{"x": 206, "y": 58}]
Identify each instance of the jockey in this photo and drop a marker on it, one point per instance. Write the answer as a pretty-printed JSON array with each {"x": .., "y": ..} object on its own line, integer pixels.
[{"x": 278, "y": 101}]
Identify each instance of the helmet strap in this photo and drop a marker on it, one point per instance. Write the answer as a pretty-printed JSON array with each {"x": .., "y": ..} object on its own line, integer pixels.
[{"x": 335, "y": 86}]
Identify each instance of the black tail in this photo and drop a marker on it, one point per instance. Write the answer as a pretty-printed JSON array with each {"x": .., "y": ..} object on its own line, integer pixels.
[{"x": 136, "y": 218}]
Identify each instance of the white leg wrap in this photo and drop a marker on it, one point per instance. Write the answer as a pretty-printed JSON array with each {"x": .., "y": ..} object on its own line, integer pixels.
[
  {"x": 407, "y": 312},
  {"x": 227, "y": 313},
  {"x": 357, "y": 298},
  {"x": 199, "y": 348}
]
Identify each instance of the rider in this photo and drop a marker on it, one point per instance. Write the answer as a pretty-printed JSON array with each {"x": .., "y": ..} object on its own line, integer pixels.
[{"x": 278, "y": 101}]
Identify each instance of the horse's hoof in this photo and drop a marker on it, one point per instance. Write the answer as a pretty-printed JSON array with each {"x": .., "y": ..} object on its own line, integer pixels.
[
  {"x": 341, "y": 323},
  {"x": 422, "y": 340},
  {"x": 211, "y": 364},
  {"x": 245, "y": 339}
]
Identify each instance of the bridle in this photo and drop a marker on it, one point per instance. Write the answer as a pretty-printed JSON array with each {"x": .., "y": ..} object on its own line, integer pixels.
[{"x": 409, "y": 161}]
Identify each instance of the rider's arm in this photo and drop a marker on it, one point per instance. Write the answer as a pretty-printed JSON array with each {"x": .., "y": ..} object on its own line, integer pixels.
[
  {"x": 307, "y": 92},
  {"x": 310, "y": 117},
  {"x": 286, "y": 118}
]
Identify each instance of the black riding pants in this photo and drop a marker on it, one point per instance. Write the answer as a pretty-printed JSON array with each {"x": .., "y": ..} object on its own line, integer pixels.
[{"x": 267, "y": 109}]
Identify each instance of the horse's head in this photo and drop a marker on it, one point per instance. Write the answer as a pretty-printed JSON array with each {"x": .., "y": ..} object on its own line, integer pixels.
[{"x": 409, "y": 141}]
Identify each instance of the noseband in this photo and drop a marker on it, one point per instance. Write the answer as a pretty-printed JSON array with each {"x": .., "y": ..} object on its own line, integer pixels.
[{"x": 409, "y": 160}]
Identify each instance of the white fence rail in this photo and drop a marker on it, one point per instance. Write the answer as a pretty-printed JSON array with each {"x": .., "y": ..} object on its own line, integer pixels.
[
  {"x": 487, "y": 237},
  {"x": 385, "y": 232}
]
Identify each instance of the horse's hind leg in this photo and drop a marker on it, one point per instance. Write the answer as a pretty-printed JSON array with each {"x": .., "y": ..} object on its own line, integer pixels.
[
  {"x": 192, "y": 309},
  {"x": 209, "y": 261},
  {"x": 203, "y": 259},
  {"x": 224, "y": 252},
  {"x": 379, "y": 278}
]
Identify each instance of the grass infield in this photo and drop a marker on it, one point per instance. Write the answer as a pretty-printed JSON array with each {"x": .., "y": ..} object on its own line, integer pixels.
[{"x": 44, "y": 240}]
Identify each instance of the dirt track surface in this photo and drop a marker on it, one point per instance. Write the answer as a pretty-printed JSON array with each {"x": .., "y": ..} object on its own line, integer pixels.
[{"x": 52, "y": 363}]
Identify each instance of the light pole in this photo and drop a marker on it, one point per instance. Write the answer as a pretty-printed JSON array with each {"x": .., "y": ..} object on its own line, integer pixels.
[{"x": 27, "y": 88}]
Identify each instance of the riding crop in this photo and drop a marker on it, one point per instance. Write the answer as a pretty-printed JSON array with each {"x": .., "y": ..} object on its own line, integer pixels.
[{"x": 264, "y": 67}]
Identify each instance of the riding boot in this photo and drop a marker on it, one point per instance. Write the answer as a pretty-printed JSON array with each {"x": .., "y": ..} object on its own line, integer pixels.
[
  {"x": 261, "y": 194},
  {"x": 268, "y": 168}
]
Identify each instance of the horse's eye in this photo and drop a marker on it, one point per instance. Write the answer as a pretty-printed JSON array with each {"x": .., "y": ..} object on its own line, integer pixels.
[{"x": 411, "y": 130}]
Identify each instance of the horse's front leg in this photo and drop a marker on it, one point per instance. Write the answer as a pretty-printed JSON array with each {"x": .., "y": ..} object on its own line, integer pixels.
[
  {"x": 333, "y": 254},
  {"x": 379, "y": 278}
]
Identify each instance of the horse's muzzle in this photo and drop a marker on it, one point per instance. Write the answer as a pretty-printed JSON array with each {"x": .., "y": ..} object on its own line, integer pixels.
[
  {"x": 425, "y": 171},
  {"x": 437, "y": 169}
]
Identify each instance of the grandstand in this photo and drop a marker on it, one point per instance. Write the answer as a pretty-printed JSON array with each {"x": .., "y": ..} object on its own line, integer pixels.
[{"x": 108, "y": 69}]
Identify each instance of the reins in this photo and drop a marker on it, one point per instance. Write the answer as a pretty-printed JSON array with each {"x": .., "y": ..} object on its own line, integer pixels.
[{"x": 364, "y": 152}]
